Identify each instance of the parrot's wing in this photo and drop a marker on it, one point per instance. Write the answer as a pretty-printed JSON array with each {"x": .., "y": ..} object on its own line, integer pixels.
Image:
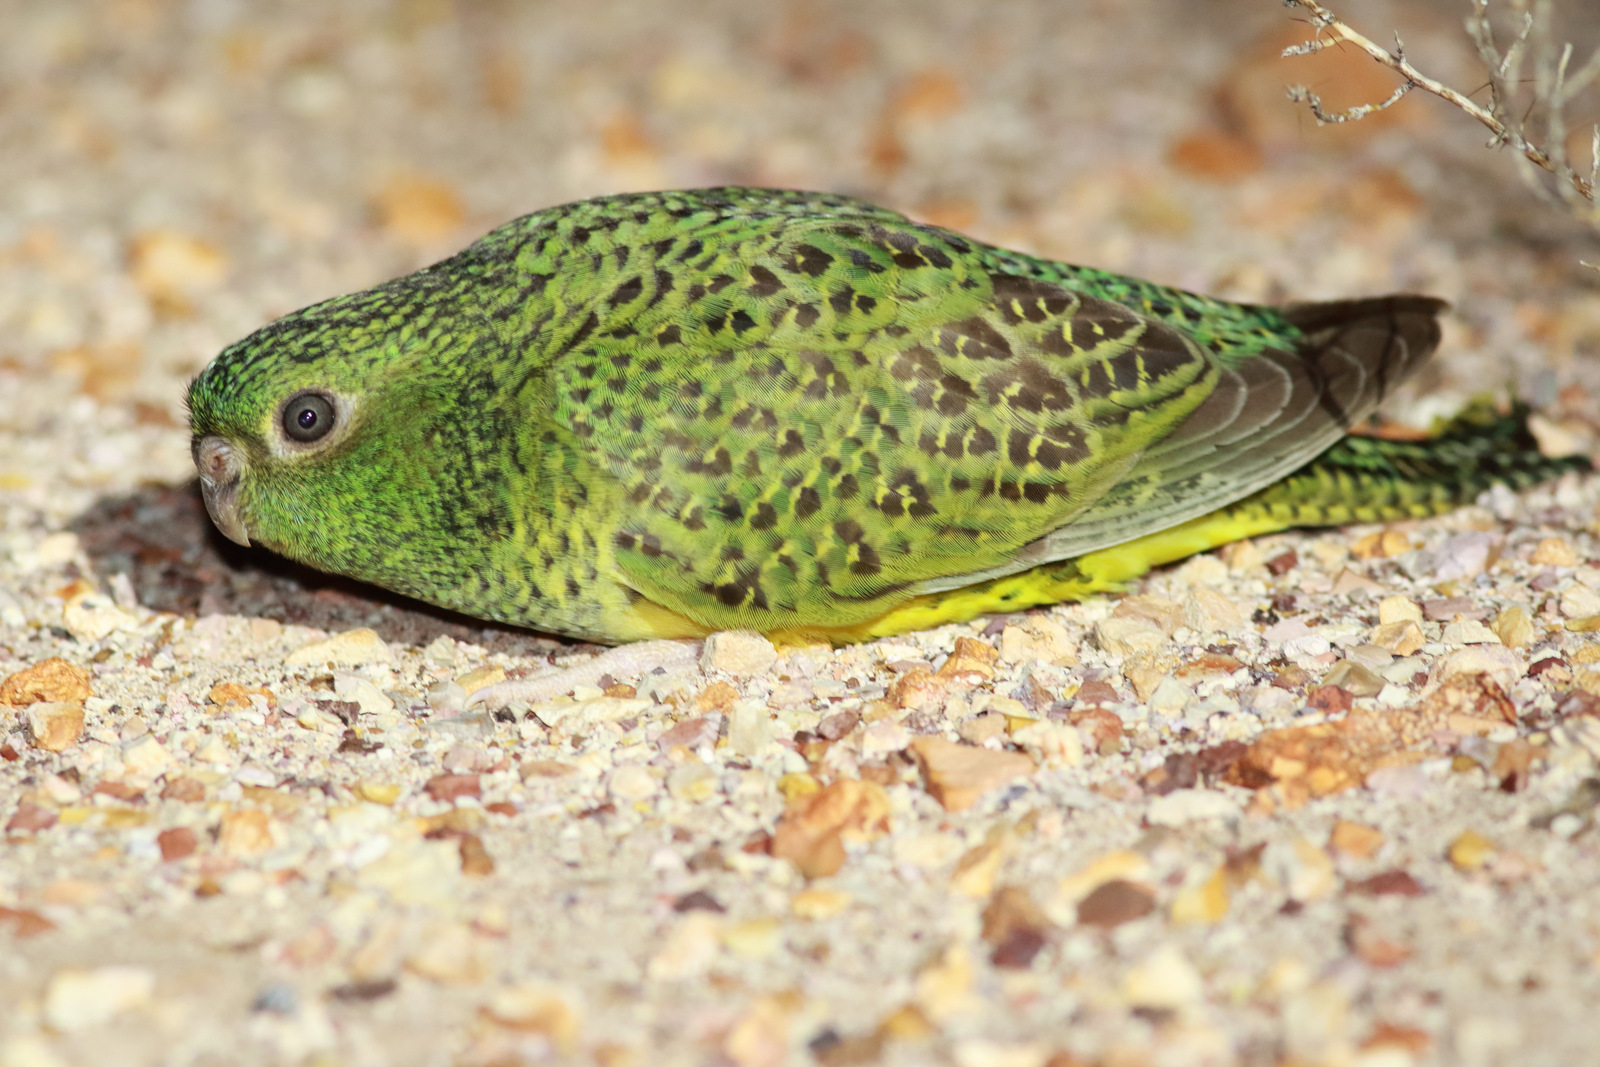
[
  {"x": 1268, "y": 416},
  {"x": 811, "y": 419}
]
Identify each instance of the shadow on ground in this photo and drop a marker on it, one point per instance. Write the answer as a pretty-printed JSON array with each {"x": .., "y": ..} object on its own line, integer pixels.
[{"x": 162, "y": 539}]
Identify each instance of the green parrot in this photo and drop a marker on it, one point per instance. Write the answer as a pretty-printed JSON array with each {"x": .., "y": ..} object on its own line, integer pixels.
[{"x": 659, "y": 415}]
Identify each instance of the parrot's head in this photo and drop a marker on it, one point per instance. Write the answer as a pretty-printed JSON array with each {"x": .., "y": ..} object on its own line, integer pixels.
[{"x": 345, "y": 435}]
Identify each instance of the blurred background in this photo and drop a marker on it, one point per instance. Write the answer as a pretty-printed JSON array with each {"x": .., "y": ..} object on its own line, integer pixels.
[{"x": 173, "y": 173}]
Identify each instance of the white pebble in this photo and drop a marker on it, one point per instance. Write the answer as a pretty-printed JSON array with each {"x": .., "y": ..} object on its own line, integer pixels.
[
  {"x": 1169, "y": 698},
  {"x": 349, "y": 649},
  {"x": 1191, "y": 805},
  {"x": 741, "y": 653},
  {"x": 1164, "y": 980},
  {"x": 78, "y": 1000},
  {"x": 1122, "y": 637},
  {"x": 363, "y": 692},
  {"x": 749, "y": 728},
  {"x": 632, "y": 782},
  {"x": 91, "y": 616}
]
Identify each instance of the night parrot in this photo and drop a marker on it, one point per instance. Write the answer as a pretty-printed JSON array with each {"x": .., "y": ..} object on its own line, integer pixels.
[{"x": 665, "y": 414}]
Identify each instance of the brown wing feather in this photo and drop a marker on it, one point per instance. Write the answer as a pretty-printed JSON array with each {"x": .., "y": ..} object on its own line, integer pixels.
[{"x": 1269, "y": 415}]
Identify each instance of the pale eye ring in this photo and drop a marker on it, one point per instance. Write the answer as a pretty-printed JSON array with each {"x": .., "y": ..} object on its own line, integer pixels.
[{"x": 308, "y": 417}]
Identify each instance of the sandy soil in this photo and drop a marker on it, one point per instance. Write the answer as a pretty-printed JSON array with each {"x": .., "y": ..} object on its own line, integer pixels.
[{"x": 1326, "y": 798}]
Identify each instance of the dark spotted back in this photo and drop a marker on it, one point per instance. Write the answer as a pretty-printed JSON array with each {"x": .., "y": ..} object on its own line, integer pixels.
[{"x": 818, "y": 414}]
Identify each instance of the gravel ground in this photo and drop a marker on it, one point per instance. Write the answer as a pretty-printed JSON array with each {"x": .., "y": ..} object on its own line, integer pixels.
[{"x": 1323, "y": 798}]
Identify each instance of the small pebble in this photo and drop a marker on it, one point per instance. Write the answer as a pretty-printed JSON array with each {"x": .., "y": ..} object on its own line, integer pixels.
[
  {"x": 632, "y": 782},
  {"x": 1183, "y": 806},
  {"x": 741, "y": 653},
  {"x": 749, "y": 728},
  {"x": 1401, "y": 638},
  {"x": 981, "y": 729},
  {"x": 1470, "y": 851},
  {"x": 971, "y": 661},
  {"x": 1554, "y": 552},
  {"x": 349, "y": 649},
  {"x": 367, "y": 696},
  {"x": 473, "y": 725},
  {"x": 54, "y": 726},
  {"x": 1457, "y": 558},
  {"x": 277, "y": 998},
  {"x": 1443, "y": 609},
  {"x": 1209, "y": 610},
  {"x": 538, "y": 1008},
  {"x": 145, "y": 758},
  {"x": 1123, "y": 637},
  {"x": 1302, "y": 870},
  {"x": 692, "y": 781},
  {"x": 1355, "y": 839},
  {"x": 52, "y": 680},
  {"x": 690, "y": 733},
  {"x": 1358, "y": 679},
  {"x": 246, "y": 832},
  {"x": 1115, "y": 902},
  {"x": 1398, "y": 609},
  {"x": 1468, "y": 632},
  {"x": 1579, "y": 601},
  {"x": 1514, "y": 628},
  {"x": 1038, "y": 638},
  {"x": 1203, "y": 899},
  {"x": 753, "y": 939},
  {"x": 1169, "y": 698},
  {"x": 177, "y": 843},
  {"x": 451, "y": 954},
  {"x": 93, "y": 617},
  {"x": 958, "y": 775},
  {"x": 79, "y": 999},
  {"x": 1495, "y": 660},
  {"x": 690, "y": 948},
  {"x": 453, "y": 786},
  {"x": 1164, "y": 980},
  {"x": 1054, "y": 744},
  {"x": 473, "y": 681},
  {"x": 817, "y": 903}
]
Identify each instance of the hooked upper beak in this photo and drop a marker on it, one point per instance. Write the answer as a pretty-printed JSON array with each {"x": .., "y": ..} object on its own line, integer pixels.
[{"x": 220, "y": 466}]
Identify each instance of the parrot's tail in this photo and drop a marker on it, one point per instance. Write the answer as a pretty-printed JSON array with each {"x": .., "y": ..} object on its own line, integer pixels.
[
  {"x": 1359, "y": 479},
  {"x": 1376, "y": 479}
]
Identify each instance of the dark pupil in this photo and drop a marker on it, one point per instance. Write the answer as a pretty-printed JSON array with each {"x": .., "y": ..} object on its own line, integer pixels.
[{"x": 308, "y": 418}]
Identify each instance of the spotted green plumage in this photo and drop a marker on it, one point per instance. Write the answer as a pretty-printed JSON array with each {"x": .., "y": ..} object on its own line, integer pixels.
[
  {"x": 1360, "y": 479},
  {"x": 661, "y": 414}
]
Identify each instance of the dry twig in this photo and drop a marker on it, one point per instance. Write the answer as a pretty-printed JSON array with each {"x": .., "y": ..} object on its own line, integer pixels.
[{"x": 1555, "y": 85}]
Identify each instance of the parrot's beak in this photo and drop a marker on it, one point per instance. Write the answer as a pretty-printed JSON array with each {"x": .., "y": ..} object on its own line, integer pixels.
[{"x": 220, "y": 466}]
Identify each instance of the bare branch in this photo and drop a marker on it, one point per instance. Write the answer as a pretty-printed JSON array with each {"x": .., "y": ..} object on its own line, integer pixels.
[
  {"x": 1594, "y": 158},
  {"x": 1586, "y": 74},
  {"x": 1553, "y": 88},
  {"x": 1300, "y": 94}
]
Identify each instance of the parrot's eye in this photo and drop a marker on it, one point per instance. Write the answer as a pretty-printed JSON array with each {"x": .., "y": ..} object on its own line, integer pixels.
[{"x": 308, "y": 417}]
